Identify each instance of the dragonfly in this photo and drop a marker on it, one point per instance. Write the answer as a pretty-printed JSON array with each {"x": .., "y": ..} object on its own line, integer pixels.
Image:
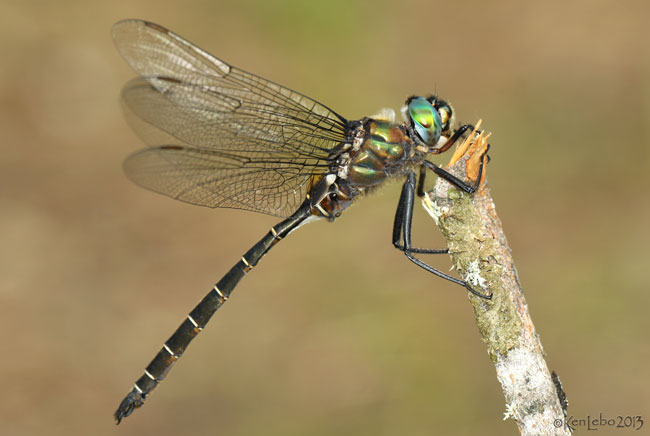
[{"x": 221, "y": 137}]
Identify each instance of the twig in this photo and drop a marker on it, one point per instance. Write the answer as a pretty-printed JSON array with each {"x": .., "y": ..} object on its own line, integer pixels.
[{"x": 480, "y": 253}]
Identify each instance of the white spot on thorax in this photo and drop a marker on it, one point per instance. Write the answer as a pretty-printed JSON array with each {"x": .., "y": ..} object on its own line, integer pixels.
[{"x": 385, "y": 114}]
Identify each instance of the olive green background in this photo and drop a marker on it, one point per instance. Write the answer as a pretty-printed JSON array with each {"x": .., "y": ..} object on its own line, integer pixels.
[{"x": 335, "y": 332}]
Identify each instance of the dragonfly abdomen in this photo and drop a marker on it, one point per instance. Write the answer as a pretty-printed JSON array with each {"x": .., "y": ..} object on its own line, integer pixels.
[{"x": 174, "y": 347}]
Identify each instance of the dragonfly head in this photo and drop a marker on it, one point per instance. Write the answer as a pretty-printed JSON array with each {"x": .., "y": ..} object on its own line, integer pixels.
[{"x": 429, "y": 121}]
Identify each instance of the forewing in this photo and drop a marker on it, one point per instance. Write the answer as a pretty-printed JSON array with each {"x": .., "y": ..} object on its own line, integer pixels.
[
  {"x": 232, "y": 137},
  {"x": 197, "y": 117}
]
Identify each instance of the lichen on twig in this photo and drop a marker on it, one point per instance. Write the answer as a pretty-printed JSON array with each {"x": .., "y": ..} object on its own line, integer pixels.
[{"x": 480, "y": 253}]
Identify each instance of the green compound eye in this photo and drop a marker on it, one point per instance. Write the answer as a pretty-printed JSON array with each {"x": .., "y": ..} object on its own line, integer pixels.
[{"x": 425, "y": 120}]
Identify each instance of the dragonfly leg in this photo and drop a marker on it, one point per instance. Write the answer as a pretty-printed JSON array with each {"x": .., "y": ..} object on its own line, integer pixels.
[
  {"x": 470, "y": 189},
  {"x": 455, "y": 137},
  {"x": 445, "y": 174},
  {"x": 447, "y": 145},
  {"x": 421, "y": 178},
  {"x": 402, "y": 232},
  {"x": 398, "y": 224}
]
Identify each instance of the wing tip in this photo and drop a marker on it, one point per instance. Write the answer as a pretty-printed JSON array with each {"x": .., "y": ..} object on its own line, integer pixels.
[{"x": 123, "y": 24}]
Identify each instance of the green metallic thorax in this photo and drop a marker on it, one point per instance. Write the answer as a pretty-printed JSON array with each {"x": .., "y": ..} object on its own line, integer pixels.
[
  {"x": 381, "y": 149},
  {"x": 381, "y": 153}
]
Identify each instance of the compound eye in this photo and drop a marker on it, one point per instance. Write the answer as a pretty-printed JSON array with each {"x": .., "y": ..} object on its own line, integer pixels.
[{"x": 425, "y": 120}]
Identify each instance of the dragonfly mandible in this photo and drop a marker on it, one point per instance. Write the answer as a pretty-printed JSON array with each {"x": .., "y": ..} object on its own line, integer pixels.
[{"x": 222, "y": 137}]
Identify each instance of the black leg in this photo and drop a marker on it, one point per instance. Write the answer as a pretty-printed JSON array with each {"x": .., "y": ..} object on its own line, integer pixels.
[
  {"x": 403, "y": 221},
  {"x": 421, "y": 178},
  {"x": 457, "y": 134},
  {"x": 470, "y": 189},
  {"x": 398, "y": 225}
]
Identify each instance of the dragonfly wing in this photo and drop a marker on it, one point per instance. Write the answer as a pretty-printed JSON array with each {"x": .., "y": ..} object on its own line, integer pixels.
[
  {"x": 164, "y": 58},
  {"x": 220, "y": 179},
  {"x": 201, "y": 107},
  {"x": 196, "y": 117}
]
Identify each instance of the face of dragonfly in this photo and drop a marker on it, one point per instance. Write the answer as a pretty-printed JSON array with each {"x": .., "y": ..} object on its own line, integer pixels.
[{"x": 429, "y": 120}]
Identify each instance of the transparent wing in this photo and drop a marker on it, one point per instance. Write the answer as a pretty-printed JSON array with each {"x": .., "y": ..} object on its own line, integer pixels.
[
  {"x": 231, "y": 139},
  {"x": 220, "y": 179}
]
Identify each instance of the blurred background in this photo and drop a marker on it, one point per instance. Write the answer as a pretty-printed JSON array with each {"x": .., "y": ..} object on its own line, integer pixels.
[{"x": 335, "y": 332}]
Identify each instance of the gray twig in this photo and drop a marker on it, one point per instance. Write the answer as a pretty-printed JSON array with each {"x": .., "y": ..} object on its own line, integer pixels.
[{"x": 481, "y": 255}]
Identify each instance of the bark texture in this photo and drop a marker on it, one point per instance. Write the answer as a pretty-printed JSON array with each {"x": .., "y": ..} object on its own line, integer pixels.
[{"x": 480, "y": 254}]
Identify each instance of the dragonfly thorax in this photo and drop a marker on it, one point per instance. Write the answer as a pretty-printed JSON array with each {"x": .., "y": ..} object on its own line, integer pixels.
[
  {"x": 382, "y": 153},
  {"x": 379, "y": 149}
]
